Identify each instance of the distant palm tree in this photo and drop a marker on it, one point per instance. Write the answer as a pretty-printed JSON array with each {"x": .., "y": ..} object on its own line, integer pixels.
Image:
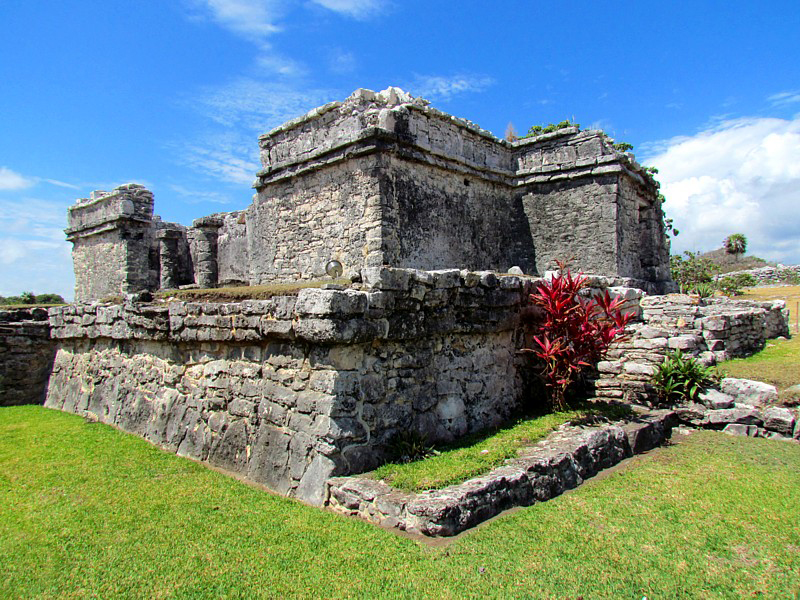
[{"x": 736, "y": 244}]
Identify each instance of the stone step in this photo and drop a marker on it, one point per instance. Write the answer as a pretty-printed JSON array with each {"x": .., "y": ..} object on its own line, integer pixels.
[{"x": 562, "y": 462}]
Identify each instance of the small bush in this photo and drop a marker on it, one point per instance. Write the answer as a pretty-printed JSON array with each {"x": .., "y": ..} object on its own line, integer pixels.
[
  {"x": 575, "y": 332},
  {"x": 408, "y": 446},
  {"x": 704, "y": 290},
  {"x": 691, "y": 269},
  {"x": 733, "y": 285},
  {"x": 542, "y": 129},
  {"x": 680, "y": 379},
  {"x": 623, "y": 147}
]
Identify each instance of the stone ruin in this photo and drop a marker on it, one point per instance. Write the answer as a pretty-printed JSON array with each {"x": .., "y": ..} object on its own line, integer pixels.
[
  {"x": 427, "y": 213},
  {"x": 385, "y": 179}
]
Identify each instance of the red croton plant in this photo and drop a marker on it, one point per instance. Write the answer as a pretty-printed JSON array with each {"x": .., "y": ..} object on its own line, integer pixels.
[{"x": 575, "y": 331}]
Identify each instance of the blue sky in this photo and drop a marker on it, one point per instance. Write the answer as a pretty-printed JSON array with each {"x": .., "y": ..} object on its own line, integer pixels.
[{"x": 174, "y": 93}]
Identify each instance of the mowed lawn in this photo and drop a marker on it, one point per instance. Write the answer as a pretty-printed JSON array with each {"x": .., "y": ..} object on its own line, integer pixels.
[
  {"x": 779, "y": 363},
  {"x": 88, "y": 511}
]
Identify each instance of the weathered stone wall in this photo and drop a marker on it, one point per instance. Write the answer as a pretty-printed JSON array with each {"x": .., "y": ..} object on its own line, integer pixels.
[
  {"x": 26, "y": 356},
  {"x": 296, "y": 225},
  {"x": 712, "y": 330},
  {"x": 233, "y": 260},
  {"x": 574, "y": 221},
  {"x": 434, "y": 217},
  {"x": 290, "y": 391},
  {"x": 768, "y": 274},
  {"x": 111, "y": 234}
]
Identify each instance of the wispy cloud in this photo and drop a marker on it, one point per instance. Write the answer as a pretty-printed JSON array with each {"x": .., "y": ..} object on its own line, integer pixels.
[
  {"x": 358, "y": 9},
  {"x": 785, "y": 98},
  {"x": 239, "y": 112},
  {"x": 741, "y": 175},
  {"x": 63, "y": 184},
  {"x": 34, "y": 255},
  {"x": 256, "y": 105},
  {"x": 11, "y": 180},
  {"x": 341, "y": 62},
  {"x": 253, "y": 19},
  {"x": 445, "y": 87},
  {"x": 196, "y": 196},
  {"x": 227, "y": 156}
]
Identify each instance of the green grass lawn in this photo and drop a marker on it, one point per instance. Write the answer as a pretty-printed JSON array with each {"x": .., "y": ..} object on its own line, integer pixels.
[
  {"x": 88, "y": 511},
  {"x": 779, "y": 363},
  {"x": 478, "y": 454}
]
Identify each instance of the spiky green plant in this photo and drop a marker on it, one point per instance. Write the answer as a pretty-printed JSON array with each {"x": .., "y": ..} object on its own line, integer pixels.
[{"x": 681, "y": 378}]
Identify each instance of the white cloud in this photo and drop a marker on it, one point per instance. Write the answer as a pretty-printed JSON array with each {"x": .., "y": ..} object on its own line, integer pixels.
[
  {"x": 741, "y": 176},
  {"x": 245, "y": 108},
  {"x": 63, "y": 184},
  {"x": 341, "y": 62},
  {"x": 358, "y": 9},
  {"x": 784, "y": 98},
  {"x": 440, "y": 87},
  {"x": 252, "y": 19},
  {"x": 11, "y": 180},
  {"x": 196, "y": 197},
  {"x": 34, "y": 254},
  {"x": 256, "y": 105},
  {"x": 227, "y": 156}
]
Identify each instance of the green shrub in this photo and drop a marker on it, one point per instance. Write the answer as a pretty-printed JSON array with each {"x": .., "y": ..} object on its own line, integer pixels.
[
  {"x": 680, "y": 378},
  {"x": 733, "y": 285},
  {"x": 690, "y": 269},
  {"x": 704, "y": 290},
  {"x": 789, "y": 276},
  {"x": 542, "y": 129},
  {"x": 623, "y": 147}
]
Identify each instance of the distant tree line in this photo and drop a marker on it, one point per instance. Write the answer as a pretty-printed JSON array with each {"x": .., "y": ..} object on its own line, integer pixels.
[{"x": 31, "y": 298}]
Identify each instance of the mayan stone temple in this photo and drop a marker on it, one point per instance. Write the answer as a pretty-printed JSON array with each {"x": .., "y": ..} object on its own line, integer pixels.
[
  {"x": 438, "y": 233},
  {"x": 385, "y": 179}
]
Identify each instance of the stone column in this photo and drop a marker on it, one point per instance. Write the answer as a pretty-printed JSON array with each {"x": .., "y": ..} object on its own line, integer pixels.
[
  {"x": 168, "y": 257},
  {"x": 204, "y": 250}
]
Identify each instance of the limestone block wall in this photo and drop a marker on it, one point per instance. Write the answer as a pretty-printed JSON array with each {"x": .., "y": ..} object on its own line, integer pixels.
[
  {"x": 588, "y": 202},
  {"x": 434, "y": 217},
  {"x": 291, "y": 391},
  {"x": 233, "y": 260},
  {"x": 296, "y": 225},
  {"x": 26, "y": 356},
  {"x": 769, "y": 274},
  {"x": 111, "y": 234},
  {"x": 712, "y": 330}
]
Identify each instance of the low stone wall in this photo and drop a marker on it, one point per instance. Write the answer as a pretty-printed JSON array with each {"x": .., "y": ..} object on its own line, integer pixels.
[
  {"x": 26, "y": 356},
  {"x": 290, "y": 391},
  {"x": 559, "y": 463},
  {"x": 768, "y": 274},
  {"x": 712, "y": 330},
  {"x": 293, "y": 390}
]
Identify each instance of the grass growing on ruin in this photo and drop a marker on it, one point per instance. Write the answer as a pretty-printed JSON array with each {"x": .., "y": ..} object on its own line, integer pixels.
[
  {"x": 88, "y": 511},
  {"x": 779, "y": 363},
  {"x": 479, "y": 453},
  {"x": 247, "y": 292}
]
